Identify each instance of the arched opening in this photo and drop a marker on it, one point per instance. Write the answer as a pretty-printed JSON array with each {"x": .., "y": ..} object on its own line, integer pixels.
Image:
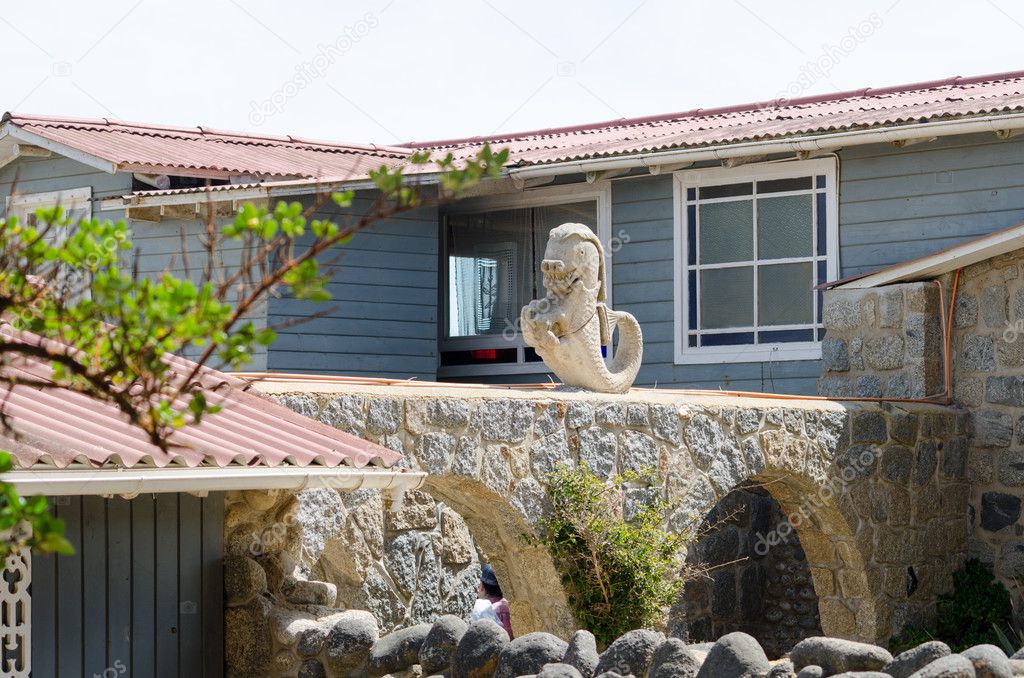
[
  {"x": 809, "y": 578},
  {"x": 524, "y": 568},
  {"x": 759, "y": 580}
]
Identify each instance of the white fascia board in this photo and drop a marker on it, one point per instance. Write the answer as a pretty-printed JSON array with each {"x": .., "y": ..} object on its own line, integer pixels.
[
  {"x": 62, "y": 149},
  {"x": 201, "y": 480},
  {"x": 943, "y": 261}
]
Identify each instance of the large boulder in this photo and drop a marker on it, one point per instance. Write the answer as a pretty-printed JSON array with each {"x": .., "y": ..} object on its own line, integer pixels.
[
  {"x": 397, "y": 651},
  {"x": 989, "y": 661},
  {"x": 479, "y": 650},
  {"x": 630, "y": 653},
  {"x": 784, "y": 669},
  {"x": 672, "y": 659},
  {"x": 582, "y": 653},
  {"x": 438, "y": 647},
  {"x": 836, "y": 655},
  {"x": 349, "y": 642},
  {"x": 812, "y": 671},
  {"x": 916, "y": 658},
  {"x": 559, "y": 670},
  {"x": 953, "y": 666},
  {"x": 735, "y": 655},
  {"x": 528, "y": 654}
]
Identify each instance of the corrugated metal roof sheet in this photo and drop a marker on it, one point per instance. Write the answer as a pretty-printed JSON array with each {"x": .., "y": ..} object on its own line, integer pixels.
[
  {"x": 59, "y": 427},
  {"x": 140, "y": 147},
  {"x": 842, "y": 111}
]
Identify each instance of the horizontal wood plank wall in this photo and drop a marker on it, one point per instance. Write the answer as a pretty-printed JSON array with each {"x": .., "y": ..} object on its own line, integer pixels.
[
  {"x": 142, "y": 595},
  {"x": 382, "y": 319},
  {"x": 901, "y": 203}
]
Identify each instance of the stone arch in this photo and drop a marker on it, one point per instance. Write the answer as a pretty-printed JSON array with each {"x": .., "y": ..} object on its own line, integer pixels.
[
  {"x": 503, "y": 533},
  {"x": 802, "y": 457}
]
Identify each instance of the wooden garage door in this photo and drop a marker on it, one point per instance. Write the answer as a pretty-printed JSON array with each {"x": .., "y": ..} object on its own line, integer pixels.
[{"x": 141, "y": 597}]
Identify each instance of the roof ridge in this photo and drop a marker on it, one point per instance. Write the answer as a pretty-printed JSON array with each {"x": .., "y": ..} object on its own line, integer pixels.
[{"x": 720, "y": 110}]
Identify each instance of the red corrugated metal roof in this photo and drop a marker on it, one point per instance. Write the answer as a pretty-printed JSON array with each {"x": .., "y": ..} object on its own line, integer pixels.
[
  {"x": 58, "y": 427},
  {"x": 859, "y": 109},
  {"x": 140, "y": 147}
]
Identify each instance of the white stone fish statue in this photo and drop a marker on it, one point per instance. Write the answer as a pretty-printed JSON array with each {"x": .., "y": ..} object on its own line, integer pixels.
[{"x": 571, "y": 323}]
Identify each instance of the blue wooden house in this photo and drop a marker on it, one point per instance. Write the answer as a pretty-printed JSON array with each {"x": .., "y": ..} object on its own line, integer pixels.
[{"x": 719, "y": 223}]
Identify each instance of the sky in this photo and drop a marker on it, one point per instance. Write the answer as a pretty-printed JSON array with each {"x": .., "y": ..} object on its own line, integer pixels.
[{"x": 392, "y": 71}]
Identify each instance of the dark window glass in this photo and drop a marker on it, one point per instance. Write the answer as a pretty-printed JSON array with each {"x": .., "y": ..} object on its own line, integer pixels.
[
  {"x": 780, "y": 185},
  {"x": 728, "y": 339},
  {"x": 691, "y": 194},
  {"x": 822, "y": 238},
  {"x": 691, "y": 234},
  {"x": 779, "y": 336},
  {"x": 819, "y": 181},
  {"x": 726, "y": 190}
]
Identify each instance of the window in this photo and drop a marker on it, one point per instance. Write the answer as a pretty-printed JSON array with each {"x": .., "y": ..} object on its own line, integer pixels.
[
  {"x": 492, "y": 251},
  {"x": 751, "y": 245},
  {"x": 77, "y": 204}
]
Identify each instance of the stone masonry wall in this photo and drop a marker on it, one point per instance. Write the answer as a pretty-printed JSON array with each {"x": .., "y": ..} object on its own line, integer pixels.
[
  {"x": 988, "y": 379},
  {"x": 876, "y": 492},
  {"x": 884, "y": 342}
]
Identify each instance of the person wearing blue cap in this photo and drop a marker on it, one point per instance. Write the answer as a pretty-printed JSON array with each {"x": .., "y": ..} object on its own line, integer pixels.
[{"x": 491, "y": 604}]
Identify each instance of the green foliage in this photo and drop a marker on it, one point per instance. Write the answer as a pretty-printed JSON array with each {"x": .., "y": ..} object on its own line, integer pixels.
[
  {"x": 975, "y": 612},
  {"x": 69, "y": 298},
  {"x": 619, "y": 575}
]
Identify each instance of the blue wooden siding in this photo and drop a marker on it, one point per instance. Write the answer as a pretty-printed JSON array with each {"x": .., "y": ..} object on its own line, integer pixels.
[
  {"x": 142, "y": 594},
  {"x": 382, "y": 319},
  {"x": 897, "y": 204}
]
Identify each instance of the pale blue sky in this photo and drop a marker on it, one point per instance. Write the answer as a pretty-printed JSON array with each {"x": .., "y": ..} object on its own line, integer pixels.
[{"x": 397, "y": 70}]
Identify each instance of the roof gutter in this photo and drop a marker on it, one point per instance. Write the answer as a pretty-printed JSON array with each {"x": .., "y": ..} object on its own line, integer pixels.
[
  {"x": 819, "y": 142},
  {"x": 202, "y": 480}
]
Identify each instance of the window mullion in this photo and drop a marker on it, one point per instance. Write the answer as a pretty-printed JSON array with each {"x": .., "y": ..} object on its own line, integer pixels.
[{"x": 755, "y": 257}]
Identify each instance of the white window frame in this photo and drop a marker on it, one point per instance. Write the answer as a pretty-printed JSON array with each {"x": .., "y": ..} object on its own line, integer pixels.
[
  {"x": 27, "y": 203},
  {"x": 600, "y": 192},
  {"x": 714, "y": 176}
]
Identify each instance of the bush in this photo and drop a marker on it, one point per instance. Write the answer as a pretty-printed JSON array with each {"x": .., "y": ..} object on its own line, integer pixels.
[
  {"x": 619, "y": 575},
  {"x": 977, "y": 611}
]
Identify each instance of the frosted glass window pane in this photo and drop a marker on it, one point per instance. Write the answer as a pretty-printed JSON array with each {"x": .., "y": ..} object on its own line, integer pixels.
[
  {"x": 784, "y": 227},
  {"x": 490, "y": 271},
  {"x": 726, "y": 232},
  {"x": 726, "y": 298},
  {"x": 785, "y": 294}
]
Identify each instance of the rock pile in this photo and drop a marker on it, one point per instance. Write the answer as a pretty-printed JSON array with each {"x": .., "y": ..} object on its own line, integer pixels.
[{"x": 451, "y": 649}]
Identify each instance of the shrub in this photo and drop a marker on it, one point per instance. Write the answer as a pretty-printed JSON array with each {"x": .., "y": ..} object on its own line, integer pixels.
[
  {"x": 619, "y": 574},
  {"x": 977, "y": 611}
]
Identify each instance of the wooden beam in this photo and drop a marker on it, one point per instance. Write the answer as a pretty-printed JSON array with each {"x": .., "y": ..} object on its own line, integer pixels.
[
  {"x": 669, "y": 168},
  {"x": 743, "y": 160},
  {"x": 179, "y": 211},
  {"x": 911, "y": 142},
  {"x": 1004, "y": 134},
  {"x": 143, "y": 213},
  {"x": 30, "y": 151},
  {"x": 604, "y": 175}
]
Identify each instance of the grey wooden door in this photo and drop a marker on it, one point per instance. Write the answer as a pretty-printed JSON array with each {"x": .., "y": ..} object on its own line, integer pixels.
[{"x": 141, "y": 597}]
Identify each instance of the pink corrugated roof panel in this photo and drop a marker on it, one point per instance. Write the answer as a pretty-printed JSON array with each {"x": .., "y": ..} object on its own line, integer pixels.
[
  {"x": 956, "y": 97},
  {"x": 140, "y": 147},
  {"x": 57, "y": 427}
]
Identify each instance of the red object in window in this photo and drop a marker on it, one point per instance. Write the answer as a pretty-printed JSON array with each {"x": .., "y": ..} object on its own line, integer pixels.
[{"x": 484, "y": 354}]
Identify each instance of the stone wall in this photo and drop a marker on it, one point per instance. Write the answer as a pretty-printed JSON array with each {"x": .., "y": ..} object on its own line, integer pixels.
[
  {"x": 766, "y": 591},
  {"x": 295, "y": 562},
  {"x": 883, "y": 342},
  {"x": 876, "y": 492},
  {"x": 988, "y": 379}
]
